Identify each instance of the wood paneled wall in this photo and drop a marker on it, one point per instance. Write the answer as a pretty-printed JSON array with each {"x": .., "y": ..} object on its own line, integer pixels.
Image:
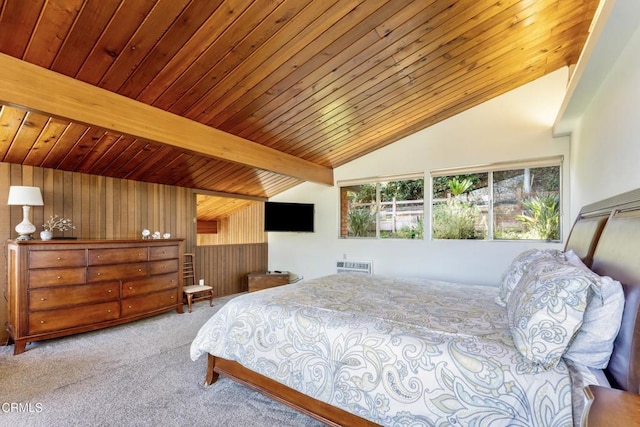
[
  {"x": 243, "y": 226},
  {"x": 226, "y": 266}
]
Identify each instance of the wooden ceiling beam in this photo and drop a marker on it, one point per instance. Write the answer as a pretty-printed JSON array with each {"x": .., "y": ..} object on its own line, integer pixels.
[{"x": 37, "y": 89}]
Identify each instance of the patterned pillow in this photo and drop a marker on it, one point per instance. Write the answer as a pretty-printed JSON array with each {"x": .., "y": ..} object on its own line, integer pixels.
[
  {"x": 593, "y": 343},
  {"x": 546, "y": 309},
  {"x": 516, "y": 269}
]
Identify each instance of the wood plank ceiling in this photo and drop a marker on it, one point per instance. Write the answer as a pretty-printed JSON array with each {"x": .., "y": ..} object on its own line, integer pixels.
[{"x": 323, "y": 80}]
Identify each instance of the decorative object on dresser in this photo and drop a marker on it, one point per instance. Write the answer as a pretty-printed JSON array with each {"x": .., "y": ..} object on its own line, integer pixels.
[
  {"x": 194, "y": 292},
  {"x": 270, "y": 279},
  {"x": 55, "y": 223},
  {"x": 26, "y": 197},
  {"x": 60, "y": 288}
]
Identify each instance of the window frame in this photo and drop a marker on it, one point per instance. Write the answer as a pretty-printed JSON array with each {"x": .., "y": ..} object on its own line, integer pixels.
[
  {"x": 489, "y": 169},
  {"x": 343, "y": 234}
]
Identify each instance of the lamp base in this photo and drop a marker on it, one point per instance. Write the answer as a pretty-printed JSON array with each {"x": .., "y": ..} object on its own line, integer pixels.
[{"x": 23, "y": 237}]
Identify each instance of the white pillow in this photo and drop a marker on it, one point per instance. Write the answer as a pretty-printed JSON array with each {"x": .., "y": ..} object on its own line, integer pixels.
[
  {"x": 593, "y": 343},
  {"x": 516, "y": 269},
  {"x": 546, "y": 309}
]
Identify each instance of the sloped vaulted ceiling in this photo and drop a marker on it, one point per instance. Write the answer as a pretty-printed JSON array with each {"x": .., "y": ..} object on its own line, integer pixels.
[{"x": 323, "y": 81}]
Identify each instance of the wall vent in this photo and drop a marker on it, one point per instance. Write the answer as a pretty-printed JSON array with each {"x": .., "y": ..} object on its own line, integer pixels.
[{"x": 345, "y": 265}]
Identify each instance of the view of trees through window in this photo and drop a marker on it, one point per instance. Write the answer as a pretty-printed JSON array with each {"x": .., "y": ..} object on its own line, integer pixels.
[
  {"x": 510, "y": 204},
  {"x": 392, "y": 209}
]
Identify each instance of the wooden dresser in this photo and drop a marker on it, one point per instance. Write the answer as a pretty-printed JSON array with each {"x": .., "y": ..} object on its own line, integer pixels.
[
  {"x": 64, "y": 287},
  {"x": 259, "y": 281}
]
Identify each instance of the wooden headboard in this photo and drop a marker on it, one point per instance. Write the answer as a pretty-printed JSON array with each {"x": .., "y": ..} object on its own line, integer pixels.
[
  {"x": 606, "y": 236},
  {"x": 617, "y": 255}
]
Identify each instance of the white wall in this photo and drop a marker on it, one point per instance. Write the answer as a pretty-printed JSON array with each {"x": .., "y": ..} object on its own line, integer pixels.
[
  {"x": 606, "y": 144},
  {"x": 514, "y": 126}
]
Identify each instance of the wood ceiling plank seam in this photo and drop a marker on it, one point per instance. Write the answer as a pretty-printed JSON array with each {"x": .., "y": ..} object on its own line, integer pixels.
[
  {"x": 10, "y": 121},
  {"x": 31, "y": 127},
  {"x": 113, "y": 39},
  {"x": 45, "y": 142},
  {"x": 80, "y": 149},
  {"x": 198, "y": 169},
  {"x": 231, "y": 48},
  {"x": 162, "y": 15},
  {"x": 379, "y": 91},
  {"x": 290, "y": 103},
  {"x": 142, "y": 155},
  {"x": 17, "y": 21},
  {"x": 85, "y": 31},
  {"x": 63, "y": 145},
  {"x": 136, "y": 162},
  {"x": 298, "y": 32},
  {"x": 345, "y": 80},
  {"x": 53, "y": 30},
  {"x": 121, "y": 147},
  {"x": 184, "y": 165},
  {"x": 192, "y": 52},
  {"x": 88, "y": 162},
  {"x": 328, "y": 117},
  {"x": 181, "y": 30},
  {"x": 343, "y": 34}
]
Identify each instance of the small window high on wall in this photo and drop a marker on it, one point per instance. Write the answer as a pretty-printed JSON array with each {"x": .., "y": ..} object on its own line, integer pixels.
[
  {"x": 389, "y": 208},
  {"x": 506, "y": 201}
]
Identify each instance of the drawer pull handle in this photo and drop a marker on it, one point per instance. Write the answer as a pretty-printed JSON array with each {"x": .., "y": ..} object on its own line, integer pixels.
[
  {"x": 108, "y": 311},
  {"x": 41, "y": 322},
  {"x": 129, "y": 306},
  {"x": 99, "y": 274},
  {"x": 59, "y": 277},
  {"x": 109, "y": 291},
  {"x": 59, "y": 258},
  {"x": 99, "y": 256},
  {"x": 139, "y": 269},
  {"x": 130, "y": 287},
  {"x": 43, "y": 299}
]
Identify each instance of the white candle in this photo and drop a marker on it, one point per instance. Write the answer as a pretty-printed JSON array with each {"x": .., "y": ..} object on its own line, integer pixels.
[{"x": 201, "y": 281}]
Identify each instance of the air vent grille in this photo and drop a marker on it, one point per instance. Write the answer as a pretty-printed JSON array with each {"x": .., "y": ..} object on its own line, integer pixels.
[{"x": 344, "y": 266}]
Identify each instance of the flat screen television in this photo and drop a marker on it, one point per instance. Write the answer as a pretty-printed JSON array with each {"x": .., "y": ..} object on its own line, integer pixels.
[{"x": 295, "y": 217}]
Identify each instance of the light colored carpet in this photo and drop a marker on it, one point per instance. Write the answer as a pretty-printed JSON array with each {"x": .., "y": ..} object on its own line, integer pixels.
[{"x": 138, "y": 374}]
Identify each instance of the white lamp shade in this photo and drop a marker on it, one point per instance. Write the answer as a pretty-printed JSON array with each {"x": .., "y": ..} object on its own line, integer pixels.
[{"x": 25, "y": 196}]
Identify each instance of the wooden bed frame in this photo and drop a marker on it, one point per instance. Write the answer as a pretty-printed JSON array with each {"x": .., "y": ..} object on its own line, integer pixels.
[{"x": 606, "y": 235}]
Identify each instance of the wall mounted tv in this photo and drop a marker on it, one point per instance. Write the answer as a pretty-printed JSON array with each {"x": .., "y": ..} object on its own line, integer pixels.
[{"x": 296, "y": 217}]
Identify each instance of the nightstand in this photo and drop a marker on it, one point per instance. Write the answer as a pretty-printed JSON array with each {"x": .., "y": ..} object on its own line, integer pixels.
[{"x": 610, "y": 407}]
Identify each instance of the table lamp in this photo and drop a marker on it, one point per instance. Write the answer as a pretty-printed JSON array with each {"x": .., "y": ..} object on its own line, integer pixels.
[{"x": 26, "y": 197}]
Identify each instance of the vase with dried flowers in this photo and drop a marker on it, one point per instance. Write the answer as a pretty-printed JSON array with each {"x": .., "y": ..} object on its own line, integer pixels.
[{"x": 55, "y": 223}]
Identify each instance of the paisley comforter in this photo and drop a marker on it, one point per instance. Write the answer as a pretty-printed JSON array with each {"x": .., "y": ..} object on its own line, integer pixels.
[{"x": 396, "y": 351}]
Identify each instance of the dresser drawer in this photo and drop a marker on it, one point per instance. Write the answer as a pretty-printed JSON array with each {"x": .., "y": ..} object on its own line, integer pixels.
[
  {"x": 49, "y": 298},
  {"x": 163, "y": 252},
  {"x": 56, "y": 277},
  {"x": 111, "y": 272},
  {"x": 165, "y": 266},
  {"x": 150, "y": 284},
  {"x": 146, "y": 303},
  {"x": 54, "y": 259},
  {"x": 65, "y": 318},
  {"x": 116, "y": 256}
]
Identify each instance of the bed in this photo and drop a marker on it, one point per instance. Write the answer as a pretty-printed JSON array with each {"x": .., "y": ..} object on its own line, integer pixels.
[{"x": 339, "y": 348}]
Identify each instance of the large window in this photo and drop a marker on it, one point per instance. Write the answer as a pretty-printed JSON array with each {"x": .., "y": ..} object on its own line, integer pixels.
[
  {"x": 383, "y": 209},
  {"x": 516, "y": 201}
]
